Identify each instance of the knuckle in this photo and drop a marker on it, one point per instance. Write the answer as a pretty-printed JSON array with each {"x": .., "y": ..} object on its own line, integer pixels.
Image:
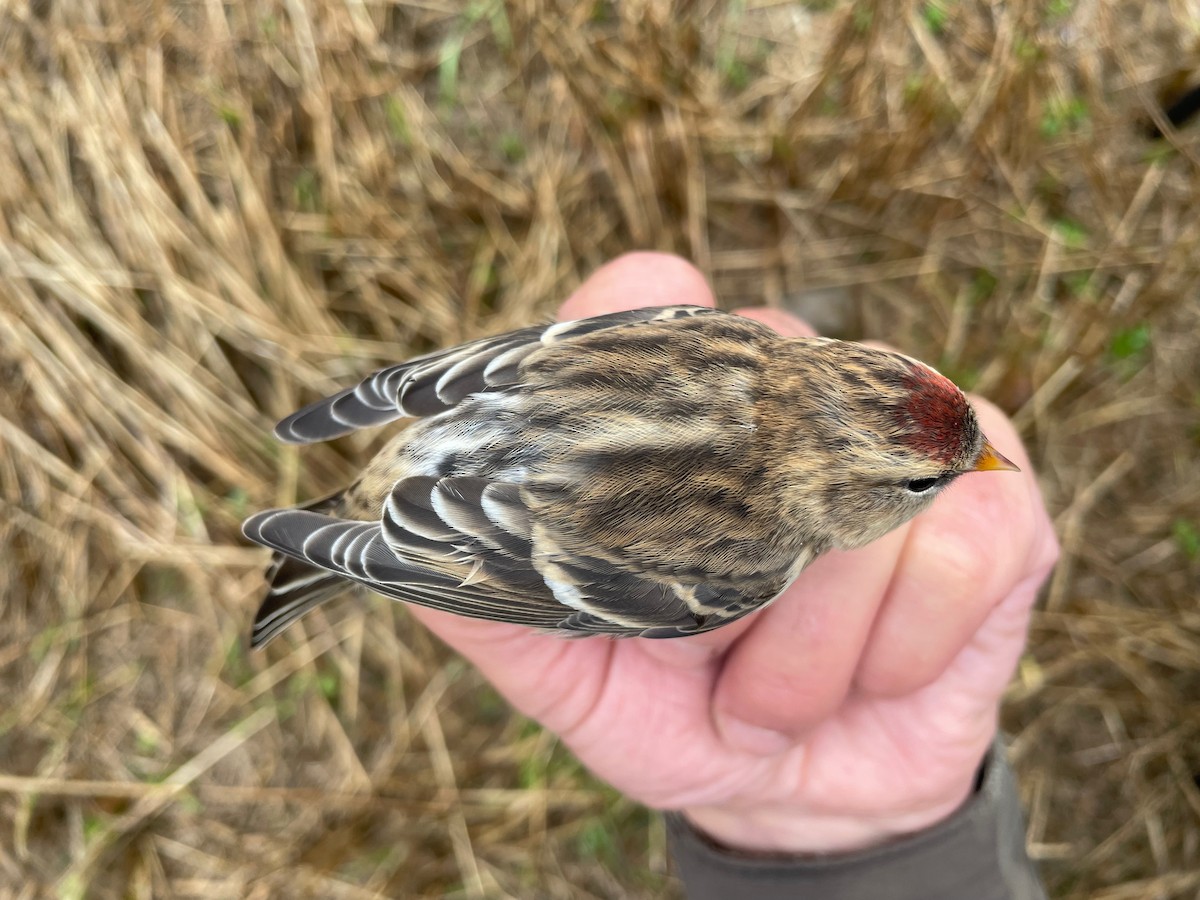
[{"x": 960, "y": 561}]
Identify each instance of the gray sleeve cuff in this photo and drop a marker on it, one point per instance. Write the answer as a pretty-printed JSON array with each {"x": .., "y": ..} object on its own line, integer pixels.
[{"x": 979, "y": 852}]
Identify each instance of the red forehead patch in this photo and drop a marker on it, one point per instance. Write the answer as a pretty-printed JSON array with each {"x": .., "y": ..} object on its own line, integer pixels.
[{"x": 937, "y": 415}]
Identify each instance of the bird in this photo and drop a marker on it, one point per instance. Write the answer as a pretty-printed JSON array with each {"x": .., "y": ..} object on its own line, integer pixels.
[{"x": 656, "y": 472}]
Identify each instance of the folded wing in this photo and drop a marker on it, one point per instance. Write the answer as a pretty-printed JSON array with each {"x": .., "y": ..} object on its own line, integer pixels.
[
  {"x": 439, "y": 381},
  {"x": 468, "y": 546}
]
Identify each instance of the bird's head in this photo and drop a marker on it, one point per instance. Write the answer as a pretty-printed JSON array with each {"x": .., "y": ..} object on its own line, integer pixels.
[{"x": 870, "y": 438}]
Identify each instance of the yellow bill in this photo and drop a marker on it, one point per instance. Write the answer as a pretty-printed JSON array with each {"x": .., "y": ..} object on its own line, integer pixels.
[{"x": 992, "y": 460}]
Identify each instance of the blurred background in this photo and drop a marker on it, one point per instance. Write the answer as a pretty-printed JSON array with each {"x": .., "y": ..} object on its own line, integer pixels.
[{"x": 211, "y": 213}]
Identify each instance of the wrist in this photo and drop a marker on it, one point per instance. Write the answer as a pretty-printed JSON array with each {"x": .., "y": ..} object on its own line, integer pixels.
[
  {"x": 779, "y": 830},
  {"x": 979, "y": 851}
]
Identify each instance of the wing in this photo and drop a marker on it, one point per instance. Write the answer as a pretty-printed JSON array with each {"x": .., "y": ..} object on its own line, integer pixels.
[
  {"x": 439, "y": 381},
  {"x": 467, "y": 546},
  {"x": 357, "y": 552}
]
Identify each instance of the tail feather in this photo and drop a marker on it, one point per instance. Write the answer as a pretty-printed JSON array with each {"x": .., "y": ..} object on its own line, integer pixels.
[{"x": 295, "y": 588}]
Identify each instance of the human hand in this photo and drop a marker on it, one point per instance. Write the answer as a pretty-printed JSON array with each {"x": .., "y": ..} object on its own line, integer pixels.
[{"x": 855, "y": 708}]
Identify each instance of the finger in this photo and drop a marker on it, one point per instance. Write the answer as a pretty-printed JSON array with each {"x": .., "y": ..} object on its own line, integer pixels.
[
  {"x": 699, "y": 650},
  {"x": 557, "y": 682},
  {"x": 963, "y": 700},
  {"x": 796, "y": 665},
  {"x": 636, "y": 280},
  {"x": 961, "y": 557},
  {"x": 783, "y": 322}
]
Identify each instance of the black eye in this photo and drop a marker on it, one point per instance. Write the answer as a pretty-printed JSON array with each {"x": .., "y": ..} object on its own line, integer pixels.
[{"x": 921, "y": 485}]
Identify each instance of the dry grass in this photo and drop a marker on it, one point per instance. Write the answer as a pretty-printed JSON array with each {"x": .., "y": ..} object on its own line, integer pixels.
[{"x": 211, "y": 212}]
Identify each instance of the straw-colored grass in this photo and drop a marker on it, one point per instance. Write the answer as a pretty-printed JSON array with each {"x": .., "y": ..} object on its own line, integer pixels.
[{"x": 212, "y": 212}]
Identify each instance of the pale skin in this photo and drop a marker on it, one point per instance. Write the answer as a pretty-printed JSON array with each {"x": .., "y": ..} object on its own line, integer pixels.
[{"x": 855, "y": 709}]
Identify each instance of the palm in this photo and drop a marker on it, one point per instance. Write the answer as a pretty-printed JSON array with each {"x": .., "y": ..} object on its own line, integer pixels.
[{"x": 873, "y": 682}]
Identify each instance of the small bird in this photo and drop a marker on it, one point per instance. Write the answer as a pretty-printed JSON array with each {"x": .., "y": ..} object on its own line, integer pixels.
[{"x": 658, "y": 472}]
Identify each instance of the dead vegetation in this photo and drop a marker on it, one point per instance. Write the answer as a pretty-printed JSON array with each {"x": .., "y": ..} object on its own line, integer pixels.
[{"x": 212, "y": 212}]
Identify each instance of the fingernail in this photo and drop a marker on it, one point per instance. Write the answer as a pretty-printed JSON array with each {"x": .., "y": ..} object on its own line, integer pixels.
[{"x": 752, "y": 738}]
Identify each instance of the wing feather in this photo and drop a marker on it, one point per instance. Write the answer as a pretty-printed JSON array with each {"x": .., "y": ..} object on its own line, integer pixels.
[
  {"x": 439, "y": 381},
  {"x": 359, "y": 552},
  {"x": 463, "y": 546}
]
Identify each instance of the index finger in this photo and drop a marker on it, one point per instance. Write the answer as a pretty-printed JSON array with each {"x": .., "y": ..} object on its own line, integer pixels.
[{"x": 636, "y": 280}]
